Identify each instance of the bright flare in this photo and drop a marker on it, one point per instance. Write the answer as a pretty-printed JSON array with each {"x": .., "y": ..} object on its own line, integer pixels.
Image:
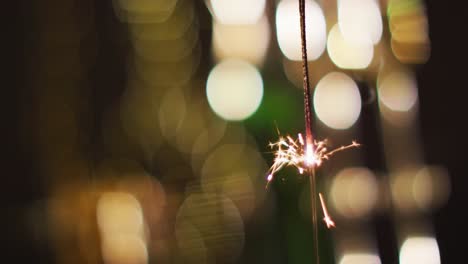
[{"x": 295, "y": 152}]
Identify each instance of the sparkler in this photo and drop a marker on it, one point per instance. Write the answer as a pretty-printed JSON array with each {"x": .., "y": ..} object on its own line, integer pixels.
[
  {"x": 305, "y": 157},
  {"x": 305, "y": 154},
  {"x": 296, "y": 153}
]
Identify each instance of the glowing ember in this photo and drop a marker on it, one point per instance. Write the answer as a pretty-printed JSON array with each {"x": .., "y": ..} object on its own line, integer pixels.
[{"x": 295, "y": 152}]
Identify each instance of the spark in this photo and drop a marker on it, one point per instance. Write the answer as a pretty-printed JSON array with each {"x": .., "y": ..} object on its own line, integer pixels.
[
  {"x": 303, "y": 156},
  {"x": 328, "y": 221}
]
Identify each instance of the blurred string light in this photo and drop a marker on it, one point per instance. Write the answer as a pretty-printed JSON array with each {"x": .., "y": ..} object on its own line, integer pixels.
[
  {"x": 237, "y": 12},
  {"x": 360, "y": 20},
  {"x": 398, "y": 90},
  {"x": 347, "y": 54},
  {"x": 119, "y": 212},
  {"x": 337, "y": 101},
  {"x": 127, "y": 249},
  {"x": 419, "y": 189},
  {"x": 431, "y": 187},
  {"x": 409, "y": 30},
  {"x": 359, "y": 258},
  {"x": 247, "y": 42},
  {"x": 234, "y": 89},
  {"x": 132, "y": 208},
  {"x": 354, "y": 192},
  {"x": 121, "y": 224},
  {"x": 419, "y": 250},
  {"x": 288, "y": 29},
  {"x": 240, "y": 39}
]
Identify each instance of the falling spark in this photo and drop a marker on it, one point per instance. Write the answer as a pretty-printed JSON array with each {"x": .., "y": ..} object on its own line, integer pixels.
[{"x": 328, "y": 221}]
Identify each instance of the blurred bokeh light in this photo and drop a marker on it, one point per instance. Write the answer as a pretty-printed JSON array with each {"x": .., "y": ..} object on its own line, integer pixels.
[
  {"x": 419, "y": 250},
  {"x": 347, "y": 54},
  {"x": 234, "y": 89},
  {"x": 354, "y": 192},
  {"x": 124, "y": 248},
  {"x": 288, "y": 29},
  {"x": 248, "y": 42},
  {"x": 409, "y": 31},
  {"x": 398, "y": 91},
  {"x": 337, "y": 101},
  {"x": 360, "y": 20},
  {"x": 420, "y": 188},
  {"x": 119, "y": 213},
  {"x": 431, "y": 187},
  {"x": 360, "y": 258},
  {"x": 238, "y": 12}
]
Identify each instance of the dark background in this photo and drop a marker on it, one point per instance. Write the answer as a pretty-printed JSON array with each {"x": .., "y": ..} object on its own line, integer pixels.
[{"x": 443, "y": 116}]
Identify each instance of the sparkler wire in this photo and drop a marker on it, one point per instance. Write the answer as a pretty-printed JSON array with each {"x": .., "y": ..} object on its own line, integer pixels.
[
  {"x": 308, "y": 126},
  {"x": 305, "y": 73}
]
